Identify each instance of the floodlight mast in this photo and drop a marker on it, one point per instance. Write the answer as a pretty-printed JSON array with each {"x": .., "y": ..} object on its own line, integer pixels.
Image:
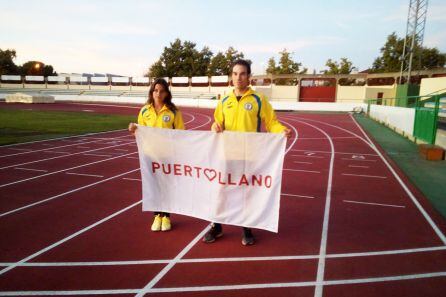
[{"x": 413, "y": 40}]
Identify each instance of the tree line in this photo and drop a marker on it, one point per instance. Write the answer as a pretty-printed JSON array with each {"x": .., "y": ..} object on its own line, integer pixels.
[
  {"x": 183, "y": 58},
  {"x": 8, "y": 67}
]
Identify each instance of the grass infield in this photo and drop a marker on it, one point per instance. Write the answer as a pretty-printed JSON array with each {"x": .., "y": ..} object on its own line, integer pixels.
[{"x": 29, "y": 125}]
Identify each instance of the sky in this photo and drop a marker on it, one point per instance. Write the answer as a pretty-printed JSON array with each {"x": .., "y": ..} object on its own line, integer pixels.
[{"x": 126, "y": 37}]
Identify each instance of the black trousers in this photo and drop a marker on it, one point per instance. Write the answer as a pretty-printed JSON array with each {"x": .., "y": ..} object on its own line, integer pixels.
[
  {"x": 162, "y": 214},
  {"x": 219, "y": 227}
]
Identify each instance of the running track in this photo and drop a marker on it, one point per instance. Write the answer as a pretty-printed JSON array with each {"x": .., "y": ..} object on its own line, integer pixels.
[{"x": 350, "y": 223}]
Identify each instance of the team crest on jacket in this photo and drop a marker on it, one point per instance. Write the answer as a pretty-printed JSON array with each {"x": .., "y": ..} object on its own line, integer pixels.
[
  {"x": 166, "y": 118},
  {"x": 248, "y": 106}
]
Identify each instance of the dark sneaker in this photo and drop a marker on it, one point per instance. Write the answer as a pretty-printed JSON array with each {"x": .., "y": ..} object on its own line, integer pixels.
[
  {"x": 213, "y": 234},
  {"x": 248, "y": 238}
]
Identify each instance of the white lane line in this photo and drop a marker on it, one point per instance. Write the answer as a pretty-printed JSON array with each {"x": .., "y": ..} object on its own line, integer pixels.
[
  {"x": 307, "y": 156},
  {"x": 97, "y": 155},
  {"x": 358, "y": 166},
  {"x": 371, "y": 203},
  {"x": 168, "y": 267},
  {"x": 322, "y": 138},
  {"x": 52, "y": 158},
  {"x": 297, "y": 162},
  {"x": 300, "y": 196},
  {"x": 341, "y": 153},
  {"x": 83, "y": 174},
  {"x": 403, "y": 185},
  {"x": 71, "y": 191},
  {"x": 351, "y": 159},
  {"x": 132, "y": 179},
  {"x": 337, "y": 127},
  {"x": 299, "y": 284},
  {"x": 324, "y": 237},
  {"x": 57, "y": 152},
  {"x": 121, "y": 138},
  {"x": 31, "y": 169},
  {"x": 62, "y": 170},
  {"x": 369, "y": 142},
  {"x": 47, "y": 149},
  {"x": 60, "y": 138},
  {"x": 364, "y": 175},
  {"x": 18, "y": 149},
  {"x": 50, "y": 153},
  {"x": 63, "y": 194},
  {"x": 231, "y": 259},
  {"x": 174, "y": 261},
  {"x": 192, "y": 118},
  {"x": 301, "y": 170},
  {"x": 137, "y": 158},
  {"x": 295, "y": 138},
  {"x": 209, "y": 120},
  {"x": 44, "y": 250},
  {"x": 405, "y": 277}
]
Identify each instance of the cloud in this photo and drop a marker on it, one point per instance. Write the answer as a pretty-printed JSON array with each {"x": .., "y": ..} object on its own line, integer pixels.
[
  {"x": 435, "y": 40},
  {"x": 275, "y": 47}
]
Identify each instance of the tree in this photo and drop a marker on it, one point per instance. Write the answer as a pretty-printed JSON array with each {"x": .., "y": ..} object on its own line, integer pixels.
[
  {"x": 392, "y": 51},
  {"x": 218, "y": 65},
  {"x": 272, "y": 67},
  {"x": 181, "y": 59},
  {"x": 343, "y": 67},
  {"x": 36, "y": 68},
  {"x": 7, "y": 65},
  {"x": 222, "y": 62},
  {"x": 286, "y": 65}
]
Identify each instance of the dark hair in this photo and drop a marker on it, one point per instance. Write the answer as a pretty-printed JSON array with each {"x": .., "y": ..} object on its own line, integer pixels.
[
  {"x": 242, "y": 62},
  {"x": 168, "y": 100}
]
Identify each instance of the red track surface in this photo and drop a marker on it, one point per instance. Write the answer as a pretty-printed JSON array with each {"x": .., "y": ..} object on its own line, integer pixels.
[{"x": 348, "y": 226}]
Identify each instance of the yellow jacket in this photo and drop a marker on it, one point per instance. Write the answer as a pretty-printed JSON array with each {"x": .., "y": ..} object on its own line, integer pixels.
[
  {"x": 247, "y": 114},
  {"x": 164, "y": 119}
]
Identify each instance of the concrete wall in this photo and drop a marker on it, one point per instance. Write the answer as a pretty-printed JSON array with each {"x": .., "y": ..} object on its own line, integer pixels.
[
  {"x": 432, "y": 85},
  {"x": 100, "y": 88},
  {"x": 289, "y": 93},
  {"x": 57, "y": 87},
  {"x": 265, "y": 90},
  {"x": 371, "y": 92},
  {"x": 399, "y": 118},
  {"x": 79, "y": 87},
  {"x": 200, "y": 89},
  {"x": 120, "y": 88},
  {"x": 350, "y": 93},
  {"x": 35, "y": 86},
  {"x": 141, "y": 88},
  {"x": 180, "y": 89},
  {"x": 206, "y": 103},
  {"x": 223, "y": 91},
  {"x": 12, "y": 86}
]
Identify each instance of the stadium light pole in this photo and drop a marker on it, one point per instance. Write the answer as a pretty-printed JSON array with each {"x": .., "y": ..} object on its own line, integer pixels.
[{"x": 416, "y": 22}]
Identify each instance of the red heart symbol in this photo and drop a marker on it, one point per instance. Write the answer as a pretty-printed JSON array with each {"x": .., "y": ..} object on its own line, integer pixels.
[{"x": 210, "y": 174}]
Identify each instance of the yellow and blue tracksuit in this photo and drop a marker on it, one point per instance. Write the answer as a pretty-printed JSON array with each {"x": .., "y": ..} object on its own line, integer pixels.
[
  {"x": 165, "y": 118},
  {"x": 247, "y": 113}
]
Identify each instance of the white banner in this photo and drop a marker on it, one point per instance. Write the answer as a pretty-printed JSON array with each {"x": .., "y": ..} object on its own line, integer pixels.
[{"x": 230, "y": 178}]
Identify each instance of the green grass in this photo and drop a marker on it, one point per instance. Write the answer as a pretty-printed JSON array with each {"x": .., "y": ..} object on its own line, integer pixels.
[
  {"x": 25, "y": 125},
  {"x": 428, "y": 176}
]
